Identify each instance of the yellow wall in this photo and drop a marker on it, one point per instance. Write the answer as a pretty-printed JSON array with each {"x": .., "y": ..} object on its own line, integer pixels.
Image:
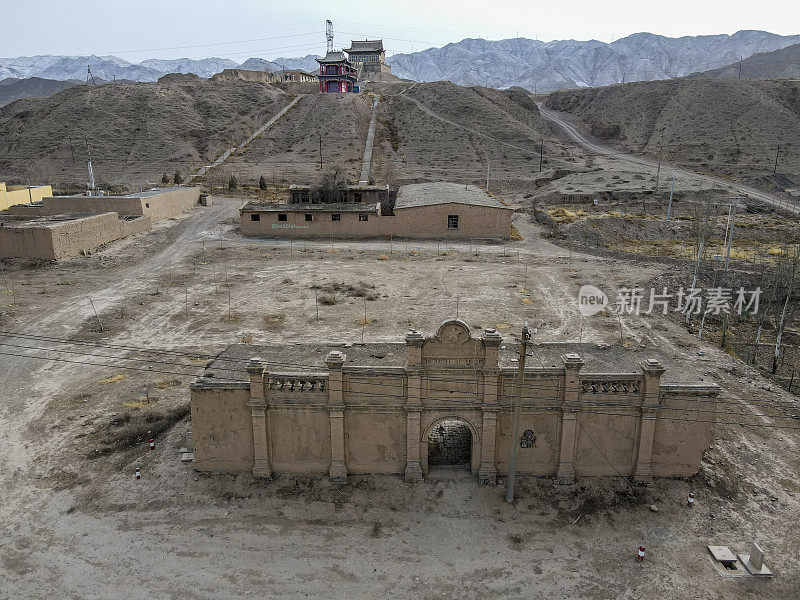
[{"x": 22, "y": 195}]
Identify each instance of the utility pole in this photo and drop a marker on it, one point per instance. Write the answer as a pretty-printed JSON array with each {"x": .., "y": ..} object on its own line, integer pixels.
[
  {"x": 320, "y": 150},
  {"x": 777, "y": 151},
  {"x": 517, "y": 411},
  {"x": 660, "y": 151},
  {"x": 740, "y": 69},
  {"x": 488, "y": 162},
  {"x": 541, "y": 156},
  {"x": 672, "y": 191},
  {"x": 731, "y": 219}
]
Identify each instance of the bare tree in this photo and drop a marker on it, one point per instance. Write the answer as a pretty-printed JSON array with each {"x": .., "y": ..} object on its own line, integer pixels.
[
  {"x": 331, "y": 186},
  {"x": 794, "y": 261}
]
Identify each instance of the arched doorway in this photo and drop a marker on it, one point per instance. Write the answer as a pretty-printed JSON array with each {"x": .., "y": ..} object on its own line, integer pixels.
[{"x": 450, "y": 445}]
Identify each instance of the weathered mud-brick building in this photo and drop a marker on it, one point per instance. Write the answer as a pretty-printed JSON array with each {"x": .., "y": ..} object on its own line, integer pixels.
[{"x": 445, "y": 401}]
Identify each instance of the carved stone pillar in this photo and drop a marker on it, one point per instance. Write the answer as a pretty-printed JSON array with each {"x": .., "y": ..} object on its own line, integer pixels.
[
  {"x": 651, "y": 373},
  {"x": 413, "y": 405},
  {"x": 258, "y": 408},
  {"x": 569, "y": 425},
  {"x": 487, "y": 473},
  {"x": 335, "y": 360}
]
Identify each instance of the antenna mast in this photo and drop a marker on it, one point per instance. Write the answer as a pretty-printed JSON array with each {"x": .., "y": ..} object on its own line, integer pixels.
[
  {"x": 90, "y": 185},
  {"x": 329, "y": 34}
]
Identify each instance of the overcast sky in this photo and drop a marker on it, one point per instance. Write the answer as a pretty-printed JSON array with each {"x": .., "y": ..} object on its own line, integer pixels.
[{"x": 238, "y": 29}]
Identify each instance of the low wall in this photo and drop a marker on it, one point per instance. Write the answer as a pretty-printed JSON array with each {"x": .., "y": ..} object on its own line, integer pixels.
[
  {"x": 20, "y": 195},
  {"x": 54, "y": 240},
  {"x": 157, "y": 206},
  {"x": 362, "y": 419}
]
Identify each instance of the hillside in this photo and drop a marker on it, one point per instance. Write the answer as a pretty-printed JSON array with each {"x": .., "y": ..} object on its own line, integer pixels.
[
  {"x": 136, "y": 132},
  {"x": 778, "y": 64},
  {"x": 33, "y": 87},
  {"x": 725, "y": 127},
  {"x": 430, "y": 131}
]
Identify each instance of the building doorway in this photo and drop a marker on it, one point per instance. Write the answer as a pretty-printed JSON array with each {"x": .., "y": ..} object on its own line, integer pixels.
[{"x": 450, "y": 446}]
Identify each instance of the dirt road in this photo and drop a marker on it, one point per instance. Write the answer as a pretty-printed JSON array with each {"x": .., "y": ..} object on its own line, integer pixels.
[{"x": 585, "y": 140}]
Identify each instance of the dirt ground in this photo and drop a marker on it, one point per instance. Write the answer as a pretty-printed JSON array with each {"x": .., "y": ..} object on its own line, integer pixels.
[{"x": 75, "y": 523}]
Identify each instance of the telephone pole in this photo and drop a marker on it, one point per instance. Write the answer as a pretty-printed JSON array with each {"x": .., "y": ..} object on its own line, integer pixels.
[
  {"x": 660, "y": 151},
  {"x": 517, "y": 411},
  {"x": 671, "y": 192},
  {"x": 777, "y": 151},
  {"x": 731, "y": 219},
  {"x": 740, "y": 69},
  {"x": 488, "y": 162},
  {"x": 320, "y": 149},
  {"x": 541, "y": 156}
]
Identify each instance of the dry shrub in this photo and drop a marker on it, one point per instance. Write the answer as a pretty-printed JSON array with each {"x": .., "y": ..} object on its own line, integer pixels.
[
  {"x": 274, "y": 321},
  {"x": 134, "y": 427},
  {"x": 327, "y": 299}
]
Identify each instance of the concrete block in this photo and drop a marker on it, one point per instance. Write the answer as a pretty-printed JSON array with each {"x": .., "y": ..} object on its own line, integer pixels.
[{"x": 754, "y": 562}]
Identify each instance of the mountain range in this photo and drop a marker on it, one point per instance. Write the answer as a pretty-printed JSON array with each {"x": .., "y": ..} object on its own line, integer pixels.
[
  {"x": 548, "y": 66},
  {"x": 531, "y": 64}
]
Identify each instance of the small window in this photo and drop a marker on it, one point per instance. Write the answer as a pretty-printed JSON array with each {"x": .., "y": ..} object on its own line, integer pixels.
[
  {"x": 363, "y": 217},
  {"x": 356, "y": 196},
  {"x": 281, "y": 216},
  {"x": 309, "y": 217},
  {"x": 452, "y": 221},
  {"x": 255, "y": 217},
  {"x": 336, "y": 217}
]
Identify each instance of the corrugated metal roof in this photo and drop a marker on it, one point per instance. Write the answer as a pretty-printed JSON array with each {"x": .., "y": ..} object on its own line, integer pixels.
[{"x": 442, "y": 192}]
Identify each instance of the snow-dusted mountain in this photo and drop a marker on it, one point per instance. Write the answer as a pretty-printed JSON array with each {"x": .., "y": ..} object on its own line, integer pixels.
[
  {"x": 205, "y": 67},
  {"x": 108, "y": 67},
  {"x": 548, "y": 66},
  {"x": 532, "y": 64}
]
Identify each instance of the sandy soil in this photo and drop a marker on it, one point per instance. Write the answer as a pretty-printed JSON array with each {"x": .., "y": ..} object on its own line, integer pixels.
[{"x": 75, "y": 523}]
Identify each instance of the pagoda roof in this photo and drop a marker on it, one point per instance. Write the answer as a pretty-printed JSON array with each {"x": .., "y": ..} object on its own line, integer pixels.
[
  {"x": 333, "y": 57},
  {"x": 365, "y": 46}
]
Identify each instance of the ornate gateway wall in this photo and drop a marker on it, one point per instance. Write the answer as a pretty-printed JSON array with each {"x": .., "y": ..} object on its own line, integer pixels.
[{"x": 452, "y": 396}]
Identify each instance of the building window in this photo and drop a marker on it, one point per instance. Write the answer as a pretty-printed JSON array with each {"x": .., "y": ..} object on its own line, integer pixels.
[
  {"x": 452, "y": 221},
  {"x": 356, "y": 196},
  {"x": 309, "y": 217},
  {"x": 336, "y": 217},
  {"x": 255, "y": 217},
  {"x": 281, "y": 216},
  {"x": 363, "y": 217}
]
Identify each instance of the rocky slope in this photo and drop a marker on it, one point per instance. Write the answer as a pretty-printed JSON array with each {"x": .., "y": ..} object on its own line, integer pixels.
[
  {"x": 721, "y": 126},
  {"x": 33, "y": 87},
  {"x": 136, "y": 132},
  {"x": 778, "y": 64}
]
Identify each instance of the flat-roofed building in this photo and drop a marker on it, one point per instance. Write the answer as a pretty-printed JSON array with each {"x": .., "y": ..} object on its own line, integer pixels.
[{"x": 438, "y": 210}]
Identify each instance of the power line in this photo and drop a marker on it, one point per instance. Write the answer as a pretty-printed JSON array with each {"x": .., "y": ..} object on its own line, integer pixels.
[{"x": 774, "y": 404}]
